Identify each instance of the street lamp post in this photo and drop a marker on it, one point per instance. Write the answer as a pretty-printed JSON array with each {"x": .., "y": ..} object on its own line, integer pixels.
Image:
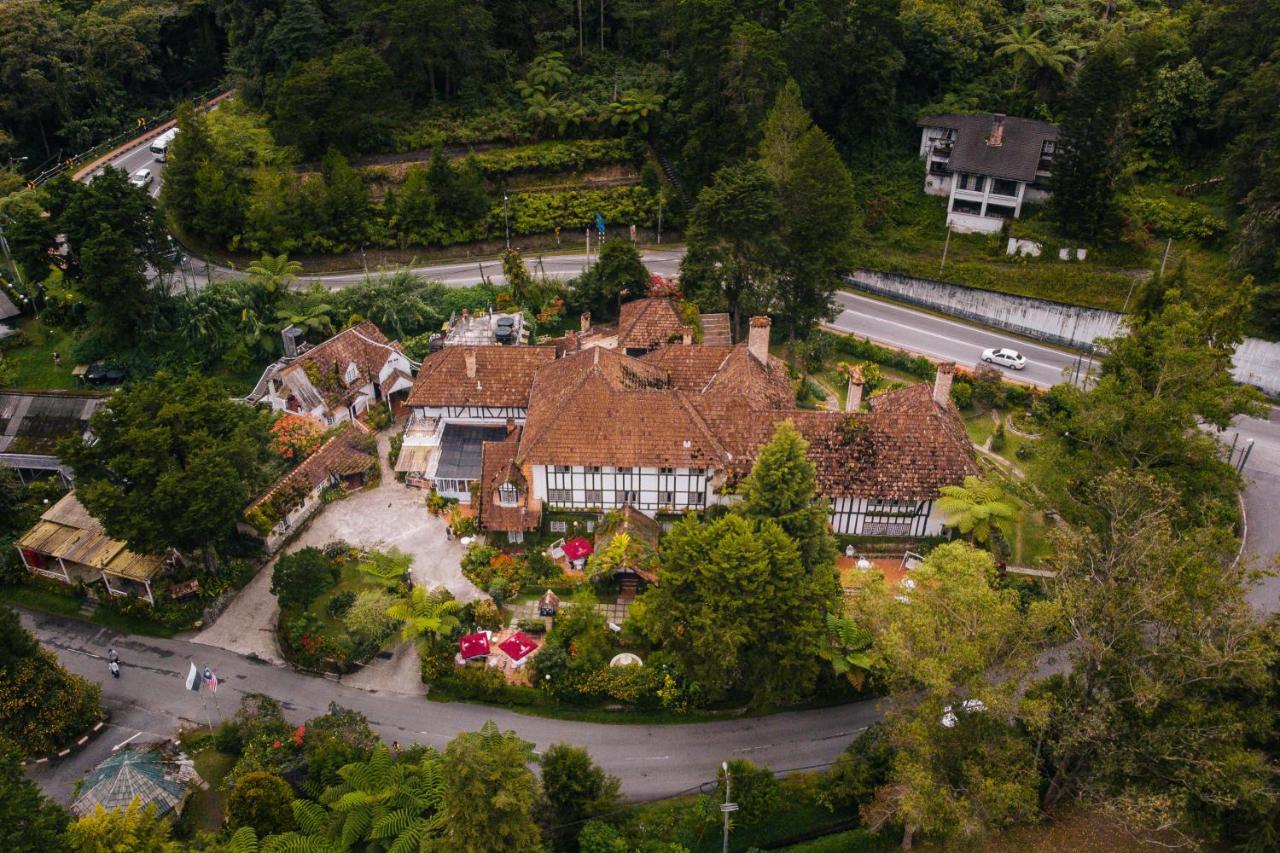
[
  {"x": 727, "y": 808},
  {"x": 506, "y": 223}
]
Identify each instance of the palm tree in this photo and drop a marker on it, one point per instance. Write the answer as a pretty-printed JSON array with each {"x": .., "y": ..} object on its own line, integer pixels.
[
  {"x": 635, "y": 108},
  {"x": 847, "y": 649},
  {"x": 273, "y": 274},
  {"x": 424, "y": 613},
  {"x": 388, "y": 804},
  {"x": 1026, "y": 48},
  {"x": 316, "y": 318},
  {"x": 979, "y": 507}
]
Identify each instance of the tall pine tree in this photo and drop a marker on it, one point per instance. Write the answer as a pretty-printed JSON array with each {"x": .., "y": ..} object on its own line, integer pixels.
[
  {"x": 819, "y": 215},
  {"x": 1090, "y": 156}
]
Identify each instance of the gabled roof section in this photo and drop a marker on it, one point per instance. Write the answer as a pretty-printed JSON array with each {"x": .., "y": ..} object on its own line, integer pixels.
[
  {"x": 600, "y": 407},
  {"x": 906, "y": 448},
  {"x": 363, "y": 345},
  {"x": 648, "y": 323},
  {"x": 500, "y": 467},
  {"x": 503, "y": 376},
  {"x": 732, "y": 370},
  {"x": 1016, "y": 157},
  {"x": 341, "y": 455}
]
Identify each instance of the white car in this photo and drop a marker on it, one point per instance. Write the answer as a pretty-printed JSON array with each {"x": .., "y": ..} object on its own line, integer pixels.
[
  {"x": 141, "y": 178},
  {"x": 1005, "y": 357}
]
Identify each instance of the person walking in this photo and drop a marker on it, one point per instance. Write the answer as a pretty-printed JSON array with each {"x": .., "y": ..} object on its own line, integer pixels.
[{"x": 115, "y": 668}]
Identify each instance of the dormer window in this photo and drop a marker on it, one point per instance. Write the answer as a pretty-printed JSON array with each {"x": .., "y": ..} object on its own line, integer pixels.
[
  {"x": 508, "y": 495},
  {"x": 352, "y": 372}
]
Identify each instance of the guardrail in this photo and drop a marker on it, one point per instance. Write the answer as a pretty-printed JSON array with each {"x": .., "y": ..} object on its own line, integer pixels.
[{"x": 144, "y": 127}]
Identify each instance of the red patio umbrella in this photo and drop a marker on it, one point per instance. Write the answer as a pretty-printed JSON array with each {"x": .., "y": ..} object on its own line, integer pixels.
[
  {"x": 577, "y": 549},
  {"x": 518, "y": 646},
  {"x": 473, "y": 646}
]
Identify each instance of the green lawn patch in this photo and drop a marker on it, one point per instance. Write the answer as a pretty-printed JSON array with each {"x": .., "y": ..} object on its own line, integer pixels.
[
  {"x": 853, "y": 841},
  {"x": 980, "y": 427},
  {"x": 352, "y": 580},
  {"x": 205, "y": 808},
  {"x": 33, "y": 361},
  {"x": 125, "y": 624},
  {"x": 39, "y": 598},
  {"x": 908, "y": 232},
  {"x": 1031, "y": 539}
]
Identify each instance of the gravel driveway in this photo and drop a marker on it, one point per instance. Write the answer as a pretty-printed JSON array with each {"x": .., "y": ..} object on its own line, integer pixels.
[{"x": 389, "y": 515}]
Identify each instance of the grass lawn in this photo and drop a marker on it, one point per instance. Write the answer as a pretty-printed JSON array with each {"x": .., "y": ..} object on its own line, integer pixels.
[
  {"x": 979, "y": 426},
  {"x": 853, "y": 841},
  {"x": 67, "y": 604},
  {"x": 34, "y": 360},
  {"x": 352, "y": 580},
  {"x": 39, "y": 598},
  {"x": 908, "y": 233},
  {"x": 205, "y": 808},
  {"x": 1031, "y": 539}
]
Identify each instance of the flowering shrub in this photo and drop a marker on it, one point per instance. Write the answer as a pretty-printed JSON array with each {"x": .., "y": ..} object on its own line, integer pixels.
[{"x": 295, "y": 437}]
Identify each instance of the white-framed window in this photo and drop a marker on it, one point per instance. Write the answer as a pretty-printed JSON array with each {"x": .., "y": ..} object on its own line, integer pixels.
[
  {"x": 559, "y": 496},
  {"x": 1004, "y": 187},
  {"x": 667, "y": 498},
  {"x": 562, "y": 469},
  {"x": 515, "y": 537},
  {"x": 631, "y": 497},
  {"x": 695, "y": 498},
  {"x": 591, "y": 525},
  {"x": 595, "y": 497},
  {"x": 666, "y": 470},
  {"x": 593, "y": 469},
  {"x": 624, "y": 470},
  {"x": 508, "y": 495},
  {"x": 559, "y": 527}
]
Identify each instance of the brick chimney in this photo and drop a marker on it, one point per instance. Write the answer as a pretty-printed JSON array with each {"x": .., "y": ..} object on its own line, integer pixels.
[
  {"x": 942, "y": 383},
  {"x": 853, "y": 399},
  {"x": 758, "y": 338},
  {"x": 686, "y": 336},
  {"x": 584, "y": 322},
  {"x": 470, "y": 356},
  {"x": 996, "y": 138}
]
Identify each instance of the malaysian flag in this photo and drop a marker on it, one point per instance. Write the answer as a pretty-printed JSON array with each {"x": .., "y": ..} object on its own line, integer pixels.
[{"x": 210, "y": 680}]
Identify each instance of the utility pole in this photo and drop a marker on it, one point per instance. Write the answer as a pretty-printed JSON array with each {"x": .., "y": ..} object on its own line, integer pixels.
[
  {"x": 13, "y": 267},
  {"x": 659, "y": 216},
  {"x": 588, "y": 247},
  {"x": 945, "y": 247},
  {"x": 506, "y": 224},
  {"x": 579, "y": 27},
  {"x": 1165, "y": 259},
  {"x": 727, "y": 808}
]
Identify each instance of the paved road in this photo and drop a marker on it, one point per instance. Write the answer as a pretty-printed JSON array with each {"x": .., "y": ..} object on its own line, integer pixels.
[
  {"x": 652, "y": 761},
  {"x": 932, "y": 335}
]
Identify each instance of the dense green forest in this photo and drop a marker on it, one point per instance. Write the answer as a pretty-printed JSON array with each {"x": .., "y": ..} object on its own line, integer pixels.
[{"x": 1166, "y": 103}]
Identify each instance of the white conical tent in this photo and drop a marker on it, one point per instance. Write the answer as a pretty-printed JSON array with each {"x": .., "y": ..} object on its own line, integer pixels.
[{"x": 130, "y": 774}]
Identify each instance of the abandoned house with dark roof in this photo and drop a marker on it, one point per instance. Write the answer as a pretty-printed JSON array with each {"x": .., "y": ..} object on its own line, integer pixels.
[
  {"x": 988, "y": 166},
  {"x": 33, "y": 422},
  {"x": 673, "y": 429},
  {"x": 338, "y": 379}
]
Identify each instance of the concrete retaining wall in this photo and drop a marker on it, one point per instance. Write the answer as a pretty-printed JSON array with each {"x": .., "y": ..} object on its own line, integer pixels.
[
  {"x": 1054, "y": 322},
  {"x": 1257, "y": 362}
]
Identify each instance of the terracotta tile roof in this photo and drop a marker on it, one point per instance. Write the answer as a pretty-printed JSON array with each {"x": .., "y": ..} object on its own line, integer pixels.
[
  {"x": 499, "y": 466},
  {"x": 600, "y": 407},
  {"x": 363, "y": 345},
  {"x": 648, "y": 323},
  {"x": 341, "y": 455},
  {"x": 504, "y": 376},
  {"x": 725, "y": 370},
  {"x": 906, "y": 448}
]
